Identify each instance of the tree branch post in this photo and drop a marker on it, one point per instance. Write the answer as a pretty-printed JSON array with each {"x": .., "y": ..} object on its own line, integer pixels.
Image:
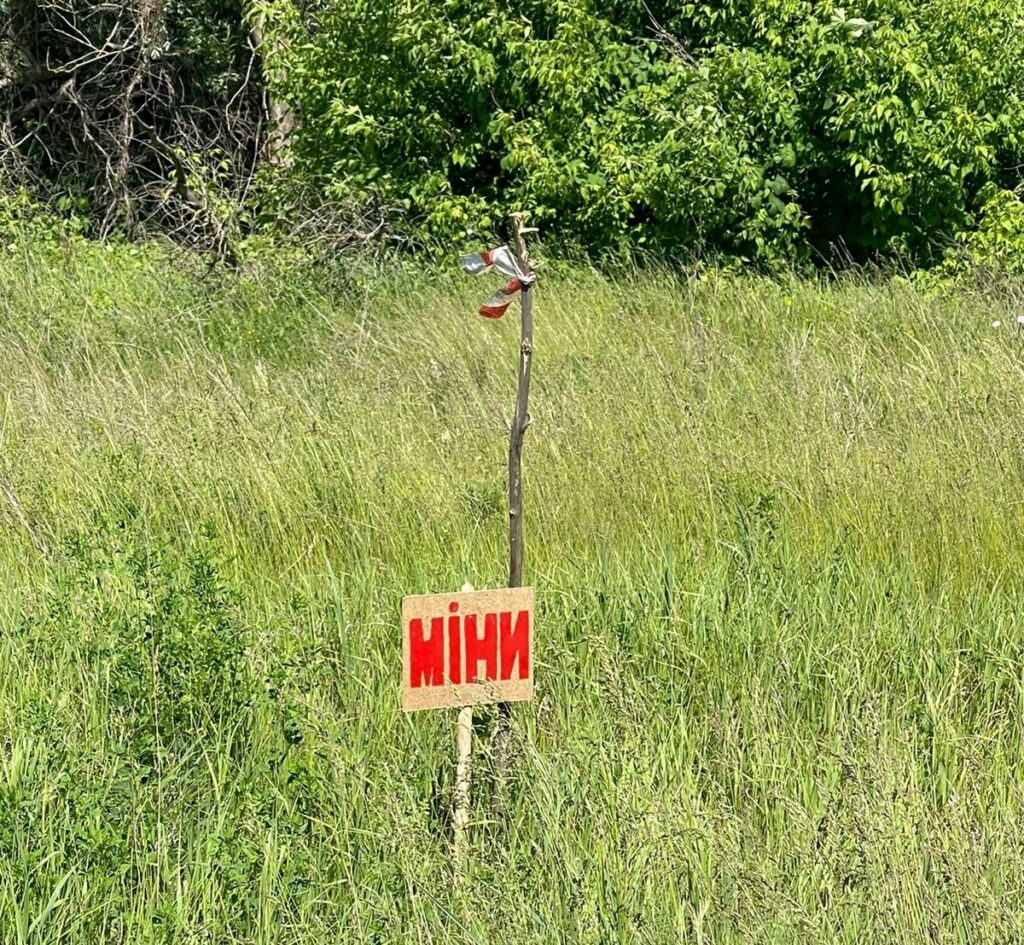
[
  {"x": 460, "y": 818},
  {"x": 463, "y": 777},
  {"x": 520, "y": 421}
]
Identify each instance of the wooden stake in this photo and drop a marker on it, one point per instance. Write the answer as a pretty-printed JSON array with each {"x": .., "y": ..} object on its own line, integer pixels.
[
  {"x": 520, "y": 421},
  {"x": 460, "y": 811},
  {"x": 460, "y": 816}
]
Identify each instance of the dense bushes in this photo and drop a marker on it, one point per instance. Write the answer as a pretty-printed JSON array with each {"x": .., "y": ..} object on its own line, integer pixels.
[
  {"x": 144, "y": 116},
  {"x": 764, "y": 129},
  {"x": 768, "y": 130}
]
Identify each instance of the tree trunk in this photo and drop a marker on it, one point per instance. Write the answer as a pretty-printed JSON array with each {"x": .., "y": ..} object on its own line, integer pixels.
[{"x": 280, "y": 117}]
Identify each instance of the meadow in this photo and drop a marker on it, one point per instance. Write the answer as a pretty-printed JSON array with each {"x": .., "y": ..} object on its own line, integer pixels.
[{"x": 776, "y": 529}]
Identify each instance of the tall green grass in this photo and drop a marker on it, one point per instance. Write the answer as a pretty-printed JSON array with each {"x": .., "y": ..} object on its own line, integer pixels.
[{"x": 776, "y": 534}]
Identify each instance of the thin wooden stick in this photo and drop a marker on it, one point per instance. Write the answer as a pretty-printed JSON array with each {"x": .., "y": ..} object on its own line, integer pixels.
[
  {"x": 520, "y": 421},
  {"x": 460, "y": 816},
  {"x": 463, "y": 775},
  {"x": 521, "y": 418}
]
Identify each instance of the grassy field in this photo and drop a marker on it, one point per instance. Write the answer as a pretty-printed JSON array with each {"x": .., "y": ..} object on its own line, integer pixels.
[{"x": 777, "y": 535}]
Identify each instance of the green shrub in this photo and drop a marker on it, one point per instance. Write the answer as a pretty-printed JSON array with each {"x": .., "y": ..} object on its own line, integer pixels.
[
  {"x": 168, "y": 645},
  {"x": 25, "y": 220},
  {"x": 997, "y": 242},
  {"x": 765, "y": 130}
]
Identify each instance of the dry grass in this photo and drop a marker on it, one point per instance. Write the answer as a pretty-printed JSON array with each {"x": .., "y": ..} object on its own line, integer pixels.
[{"x": 776, "y": 529}]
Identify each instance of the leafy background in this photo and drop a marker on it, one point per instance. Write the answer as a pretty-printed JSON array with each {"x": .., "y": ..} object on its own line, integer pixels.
[
  {"x": 764, "y": 130},
  {"x": 774, "y": 132}
]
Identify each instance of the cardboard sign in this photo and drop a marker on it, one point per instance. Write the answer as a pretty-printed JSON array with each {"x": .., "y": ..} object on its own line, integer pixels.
[{"x": 467, "y": 649}]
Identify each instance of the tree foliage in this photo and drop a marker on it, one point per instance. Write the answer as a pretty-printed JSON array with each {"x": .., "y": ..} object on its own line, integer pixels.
[
  {"x": 139, "y": 114},
  {"x": 767, "y": 130},
  {"x": 762, "y": 128}
]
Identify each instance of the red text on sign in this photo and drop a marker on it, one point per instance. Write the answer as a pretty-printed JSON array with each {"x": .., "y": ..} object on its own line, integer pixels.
[{"x": 480, "y": 648}]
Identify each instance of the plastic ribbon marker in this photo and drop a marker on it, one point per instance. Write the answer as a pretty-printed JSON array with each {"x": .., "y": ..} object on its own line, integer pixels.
[{"x": 504, "y": 261}]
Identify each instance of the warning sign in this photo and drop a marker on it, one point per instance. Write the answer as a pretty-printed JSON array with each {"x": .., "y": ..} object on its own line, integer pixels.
[{"x": 467, "y": 649}]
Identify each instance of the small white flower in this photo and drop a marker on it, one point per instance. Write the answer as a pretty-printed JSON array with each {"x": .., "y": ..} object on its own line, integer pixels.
[
  {"x": 1020, "y": 319},
  {"x": 997, "y": 324}
]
